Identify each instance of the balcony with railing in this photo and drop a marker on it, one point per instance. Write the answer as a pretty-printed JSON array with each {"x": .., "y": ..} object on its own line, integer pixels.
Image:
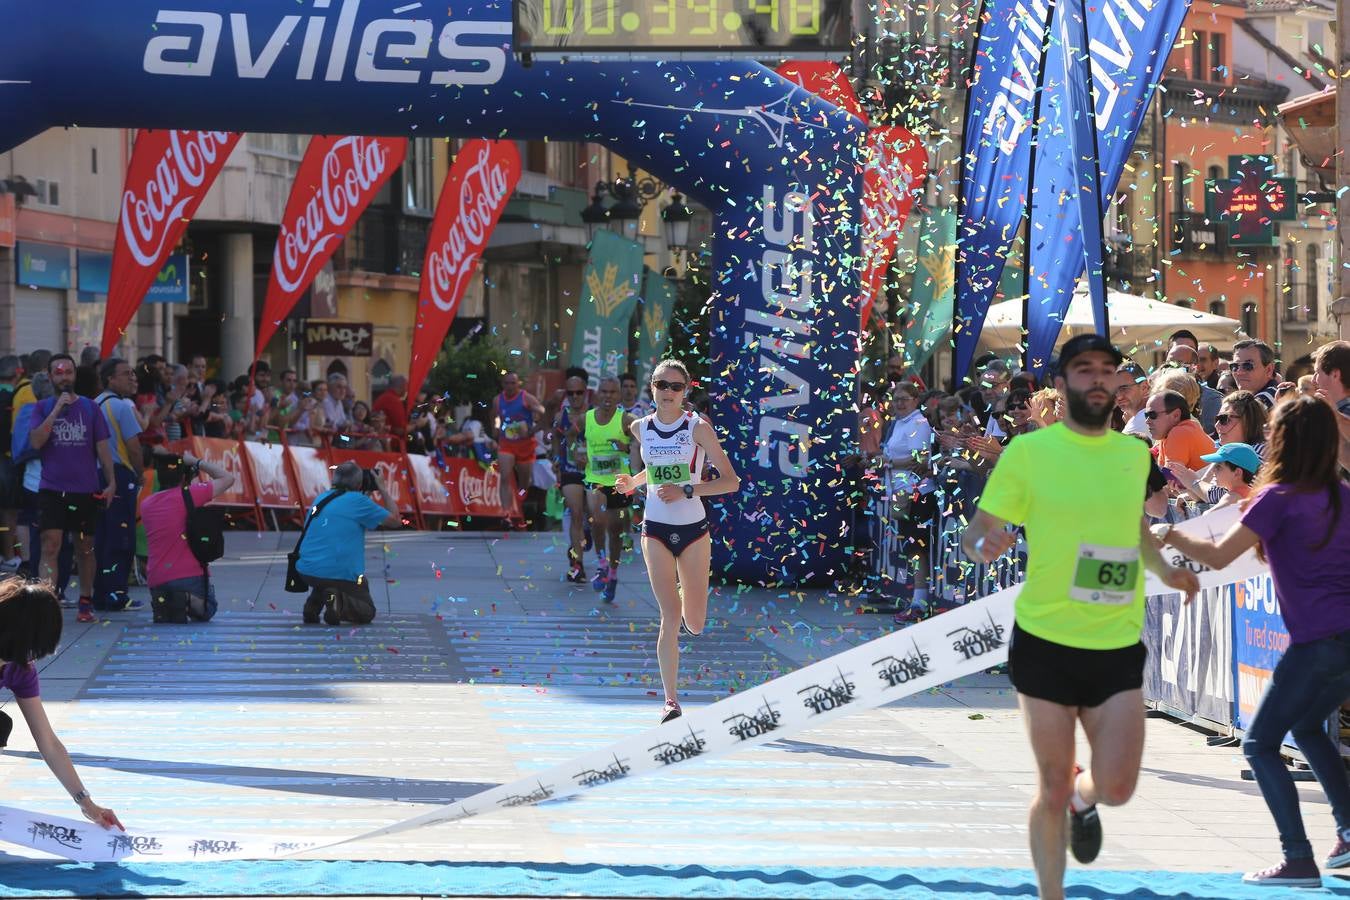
[
  {"x": 1193, "y": 235},
  {"x": 387, "y": 241}
]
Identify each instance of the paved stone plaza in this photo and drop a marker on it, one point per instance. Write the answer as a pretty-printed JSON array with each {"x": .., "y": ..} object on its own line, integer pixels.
[{"x": 484, "y": 665}]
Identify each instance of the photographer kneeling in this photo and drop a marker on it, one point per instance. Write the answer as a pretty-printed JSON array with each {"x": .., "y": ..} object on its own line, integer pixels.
[
  {"x": 330, "y": 552},
  {"x": 180, "y": 588}
]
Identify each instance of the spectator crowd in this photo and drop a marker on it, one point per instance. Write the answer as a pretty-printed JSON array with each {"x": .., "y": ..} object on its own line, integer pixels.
[{"x": 926, "y": 454}]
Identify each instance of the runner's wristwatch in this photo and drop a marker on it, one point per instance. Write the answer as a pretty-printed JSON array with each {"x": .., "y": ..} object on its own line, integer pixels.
[{"x": 689, "y": 491}]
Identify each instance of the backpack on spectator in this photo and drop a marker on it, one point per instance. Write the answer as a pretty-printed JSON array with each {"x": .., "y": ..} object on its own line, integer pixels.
[
  {"x": 205, "y": 530},
  {"x": 10, "y": 473}
]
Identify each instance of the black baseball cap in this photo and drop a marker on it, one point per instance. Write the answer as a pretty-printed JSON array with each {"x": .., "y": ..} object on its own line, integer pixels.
[{"x": 1086, "y": 343}]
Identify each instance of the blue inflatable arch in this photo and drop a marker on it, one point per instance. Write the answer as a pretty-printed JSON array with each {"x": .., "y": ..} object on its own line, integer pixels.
[{"x": 776, "y": 165}]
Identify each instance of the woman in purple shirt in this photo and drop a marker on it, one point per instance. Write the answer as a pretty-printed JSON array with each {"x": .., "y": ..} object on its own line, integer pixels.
[
  {"x": 30, "y": 628},
  {"x": 1298, "y": 518}
]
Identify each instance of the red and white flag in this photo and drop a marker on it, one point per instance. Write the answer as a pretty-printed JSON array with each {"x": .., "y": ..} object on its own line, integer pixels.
[
  {"x": 338, "y": 178},
  {"x": 481, "y": 181},
  {"x": 168, "y": 178},
  {"x": 894, "y": 169},
  {"x": 896, "y": 164}
]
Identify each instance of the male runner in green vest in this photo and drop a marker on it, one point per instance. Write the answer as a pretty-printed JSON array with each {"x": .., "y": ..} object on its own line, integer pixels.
[
  {"x": 606, "y": 436},
  {"x": 1078, "y": 489}
]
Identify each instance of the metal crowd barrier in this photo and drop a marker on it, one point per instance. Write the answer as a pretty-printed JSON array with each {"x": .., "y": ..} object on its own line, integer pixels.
[{"x": 954, "y": 579}]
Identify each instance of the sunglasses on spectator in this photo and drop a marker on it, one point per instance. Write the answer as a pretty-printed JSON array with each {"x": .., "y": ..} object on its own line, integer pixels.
[
  {"x": 1013, "y": 406},
  {"x": 1151, "y": 415},
  {"x": 1246, "y": 366},
  {"x": 1224, "y": 419},
  {"x": 663, "y": 385}
]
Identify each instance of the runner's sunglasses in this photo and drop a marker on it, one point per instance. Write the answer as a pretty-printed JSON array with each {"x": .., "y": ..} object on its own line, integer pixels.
[{"x": 663, "y": 385}]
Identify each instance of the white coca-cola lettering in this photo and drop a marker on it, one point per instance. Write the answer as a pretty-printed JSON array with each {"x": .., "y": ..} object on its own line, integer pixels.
[
  {"x": 479, "y": 490},
  {"x": 882, "y": 195},
  {"x": 482, "y": 197},
  {"x": 389, "y": 478},
  {"x": 150, "y": 213},
  {"x": 351, "y": 169}
]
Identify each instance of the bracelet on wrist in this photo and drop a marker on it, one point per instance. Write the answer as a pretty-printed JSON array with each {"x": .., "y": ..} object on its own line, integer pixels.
[{"x": 79, "y": 797}]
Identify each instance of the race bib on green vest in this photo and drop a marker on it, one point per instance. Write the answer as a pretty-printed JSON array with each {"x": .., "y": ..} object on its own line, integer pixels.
[
  {"x": 671, "y": 473},
  {"x": 1105, "y": 575}
]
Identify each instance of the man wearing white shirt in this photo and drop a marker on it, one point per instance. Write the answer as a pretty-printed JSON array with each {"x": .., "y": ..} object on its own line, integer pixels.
[
  {"x": 1132, "y": 398},
  {"x": 909, "y": 440}
]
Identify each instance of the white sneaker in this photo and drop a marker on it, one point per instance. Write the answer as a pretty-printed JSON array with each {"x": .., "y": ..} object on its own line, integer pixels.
[{"x": 12, "y": 563}]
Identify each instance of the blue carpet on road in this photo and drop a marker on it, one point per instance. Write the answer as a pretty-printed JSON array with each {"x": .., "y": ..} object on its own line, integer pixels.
[{"x": 376, "y": 878}]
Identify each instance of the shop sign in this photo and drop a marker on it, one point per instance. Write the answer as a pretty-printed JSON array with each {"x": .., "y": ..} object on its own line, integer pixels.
[{"x": 339, "y": 338}]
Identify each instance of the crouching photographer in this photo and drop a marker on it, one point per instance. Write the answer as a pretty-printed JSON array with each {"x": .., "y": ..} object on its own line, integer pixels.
[
  {"x": 329, "y": 558},
  {"x": 182, "y": 537}
]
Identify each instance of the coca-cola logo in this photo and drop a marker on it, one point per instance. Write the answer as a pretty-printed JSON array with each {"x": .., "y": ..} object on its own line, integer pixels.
[
  {"x": 389, "y": 478},
  {"x": 350, "y": 172},
  {"x": 482, "y": 197},
  {"x": 883, "y": 196},
  {"x": 479, "y": 490},
  {"x": 151, "y": 211}
]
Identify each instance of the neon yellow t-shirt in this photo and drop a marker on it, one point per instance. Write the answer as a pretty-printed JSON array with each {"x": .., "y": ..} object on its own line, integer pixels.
[{"x": 1081, "y": 500}]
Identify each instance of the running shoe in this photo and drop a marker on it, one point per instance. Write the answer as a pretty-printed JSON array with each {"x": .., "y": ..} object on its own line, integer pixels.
[
  {"x": 1085, "y": 829},
  {"x": 685, "y": 630},
  {"x": 601, "y": 576},
  {"x": 86, "y": 611},
  {"x": 1300, "y": 873},
  {"x": 1085, "y": 834},
  {"x": 611, "y": 585},
  {"x": 576, "y": 574},
  {"x": 1339, "y": 857},
  {"x": 12, "y": 564},
  {"x": 670, "y": 711}
]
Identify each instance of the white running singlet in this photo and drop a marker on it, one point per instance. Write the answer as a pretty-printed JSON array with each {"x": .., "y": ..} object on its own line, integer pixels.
[{"x": 671, "y": 457}]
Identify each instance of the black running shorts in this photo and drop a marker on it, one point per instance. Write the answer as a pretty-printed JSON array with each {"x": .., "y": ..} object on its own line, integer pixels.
[
  {"x": 1071, "y": 676},
  {"x": 71, "y": 513},
  {"x": 613, "y": 499}
]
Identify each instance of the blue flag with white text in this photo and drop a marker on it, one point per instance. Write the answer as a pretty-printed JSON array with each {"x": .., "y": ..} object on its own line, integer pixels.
[
  {"x": 1128, "y": 42},
  {"x": 996, "y": 157}
]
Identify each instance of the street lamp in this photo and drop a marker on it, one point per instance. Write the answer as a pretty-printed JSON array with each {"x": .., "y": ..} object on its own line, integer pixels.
[
  {"x": 676, "y": 218},
  {"x": 597, "y": 215}
]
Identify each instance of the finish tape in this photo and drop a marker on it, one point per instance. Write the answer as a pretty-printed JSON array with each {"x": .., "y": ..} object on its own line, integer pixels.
[{"x": 922, "y": 656}]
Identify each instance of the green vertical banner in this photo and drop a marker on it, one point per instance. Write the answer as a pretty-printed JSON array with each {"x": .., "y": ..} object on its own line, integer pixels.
[
  {"x": 609, "y": 292},
  {"x": 658, "y": 302},
  {"x": 934, "y": 287}
]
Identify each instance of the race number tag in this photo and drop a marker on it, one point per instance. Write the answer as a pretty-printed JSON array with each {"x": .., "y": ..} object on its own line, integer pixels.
[
  {"x": 606, "y": 464},
  {"x": 516, "y": 431},
  {"x": 1106, "y": 575},
  {"x": 670, "y": 473}
]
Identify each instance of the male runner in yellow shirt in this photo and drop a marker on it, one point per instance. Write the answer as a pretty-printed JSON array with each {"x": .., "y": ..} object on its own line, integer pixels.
[{"x": 1078, "y": 489}]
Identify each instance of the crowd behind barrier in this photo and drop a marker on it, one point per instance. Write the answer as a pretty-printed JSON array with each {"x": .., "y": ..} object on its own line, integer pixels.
[{"x": 925, "y": 456}]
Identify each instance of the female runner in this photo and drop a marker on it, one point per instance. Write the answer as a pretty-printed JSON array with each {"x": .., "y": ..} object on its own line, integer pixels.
[{"x": 674, "y": 446}]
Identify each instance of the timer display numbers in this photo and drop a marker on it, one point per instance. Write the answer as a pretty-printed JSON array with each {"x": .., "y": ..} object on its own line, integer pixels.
[{"x": 683, "y": 29}]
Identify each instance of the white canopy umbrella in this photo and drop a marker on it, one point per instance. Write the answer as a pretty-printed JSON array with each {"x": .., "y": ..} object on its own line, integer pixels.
[{"x": 1138, "y": 325}]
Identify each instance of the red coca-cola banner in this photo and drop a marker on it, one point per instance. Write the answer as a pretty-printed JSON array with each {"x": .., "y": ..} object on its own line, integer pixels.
[
  {"x": 168, "y": 178},
  {"x": 480, "y": 182},
  {"x": 827, "y": 81},
  {"x": 894, "y": 169},
  {"x": 338, "y": 178}
]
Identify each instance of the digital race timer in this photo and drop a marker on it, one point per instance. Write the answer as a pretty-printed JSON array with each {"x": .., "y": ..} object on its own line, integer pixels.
[{"x": 769, "y": 29}]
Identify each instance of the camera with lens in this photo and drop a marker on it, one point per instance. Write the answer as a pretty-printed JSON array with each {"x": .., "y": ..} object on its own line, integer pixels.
[{"x": 369, "y": 483}]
